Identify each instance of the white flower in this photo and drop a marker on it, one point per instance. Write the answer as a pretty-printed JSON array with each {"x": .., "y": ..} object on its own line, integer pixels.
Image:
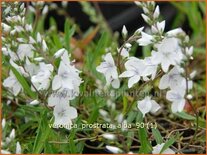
[
  {"x": 109, "y": 136},
  {"x": 157, "y": 12},
  {"x": 60, "y": 52},
  {"x": 177, "y": 99},
  {"x": 45, "y": 10},
  {"x": 151, "y": 67},
  {"x": 3, "y": 123},
  {"x": 169, "y": 53},
  {"x": 39, "y": 59},
  {"x": 31, "y": 40},
  {"x": 62, "y": 96},
  {"x": 189, "y": 50},
  {"x": 5, "y": 152},
  {"x": 39, "y": 38},
  {"x": 31, "y": 68},
  {"x": 12, "y": 84},
  {"x": 175, "y": 32},
  {"x": 19, "y": 28},
  {"x": 67, "y": 77},
  {"x": 158, "y": 27},
  {"x": 158, "y": 148},
  {"x": 189, "y": 96},
  {"x": 147, "y": 105},
  {"x": 44, "y": 46},
  {"x": 25, "y": 50},
  {"x": 34, "y": 102},
  {"x": 173, "y": 79},
  {"x": 18, "y": 148},
  {"x": 124, "y": 31},
  {"x": 108, "y": 68},
  {"x": 64, "y": 114},
  {"x": 11, "y": 136},
  {"x": 113, "y": 149},
  {"x": 20, "y": 69},
  {"x": 134, "y": 69},
  {"x": 145, "y": 40},
  {"x": 146, "y": 18},
  {"x": 28, "y": 27},
  {"x": 6, "y": 28},
  {"x": 125, "y": 50},
  {"x": 42, "y": 79}
]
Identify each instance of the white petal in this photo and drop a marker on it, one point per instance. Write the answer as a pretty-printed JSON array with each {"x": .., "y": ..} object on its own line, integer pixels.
[
  {"x": 72, "y": 112},
  {"x": 18, "y": 148},
  {"x": 127, "y": 74},
  {"x": 115, "y": 83},
  {"x": 155, "y": 106},
  {"x": 144, "y": 106},
  {"x": 56, "y": 83},
  {"x": 164, "y": 82},
  {"x": 133, "y": 80}
]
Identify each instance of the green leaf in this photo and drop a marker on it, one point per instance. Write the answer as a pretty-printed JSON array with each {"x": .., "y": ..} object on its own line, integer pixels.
[
  {"x": 145, "y": 144},
  {"x": 24, "y": 83},
  {"x": 168, "y": 144},
  {"x": 69, "y": 31},
  {"x": 184, "y": 115},
  {"x": 157, "y": 135},
  {"x": 43, "y": 133}
]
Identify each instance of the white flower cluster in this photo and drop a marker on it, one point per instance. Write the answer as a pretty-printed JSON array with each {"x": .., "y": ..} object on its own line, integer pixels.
[
  {"x": 168, "y": 58},
  {"x": 66, "y": 86},
  {"x": 28, "y": 55},
  {"x": 8, "y": 140}
]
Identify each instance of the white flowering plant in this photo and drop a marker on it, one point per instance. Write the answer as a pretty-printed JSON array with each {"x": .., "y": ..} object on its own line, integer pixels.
[{"x": 65, "y": 92}]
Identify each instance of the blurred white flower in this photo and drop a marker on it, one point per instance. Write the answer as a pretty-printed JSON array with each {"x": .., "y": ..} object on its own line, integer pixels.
[
  {"x": 147, "y": 105},
  {"x": 60, "y": 52},
  {"x": 134, "y": 70},
  {"x": 158, "y": 27},
  {"x": 174, "y": 32},
  {"x": 145, "y": 17},
  {"x": 168, "y": 53},
  {"x": 177, "y": 99},
  {"x": 124, "y": 31},
  {"x": 12, "y": 84},
  {"x": 62, "y": 96},
  {"x": 3, "y": 123},
  {"x": 67, "y": 77},
  {"x": 113, "y": 149},
  {"x": 18, "y": 148},
  {"x": 108, "y": 68},
  {"x": 145, "y": 40},
  {"x": 109, "y": 136},
  {"x": 64, "y": 114},
  {"x": 156, "y": 12},
  {"x": 158, "y": 148},
  {"x": 34, "y": 102},
  {"x": 42, "y": 79},
  {"x": 151, "y": 67},
  {"x": 6, "y": 28},
  {"x": 172, "y": 79},
  {"x": 25, "y": 50}
]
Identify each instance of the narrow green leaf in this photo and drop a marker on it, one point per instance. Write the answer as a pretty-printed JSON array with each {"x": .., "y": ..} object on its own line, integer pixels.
[
  {"x": 184, "y": 115},
  {"x": 43, "y": 132},
  {"x": 157, "y": 135},
  {"x": 69, "y": 31},
  {"x": 145, "y": 144},
  {"x": 24, "y": 83},
  {"x": 168, "y": 144}
]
